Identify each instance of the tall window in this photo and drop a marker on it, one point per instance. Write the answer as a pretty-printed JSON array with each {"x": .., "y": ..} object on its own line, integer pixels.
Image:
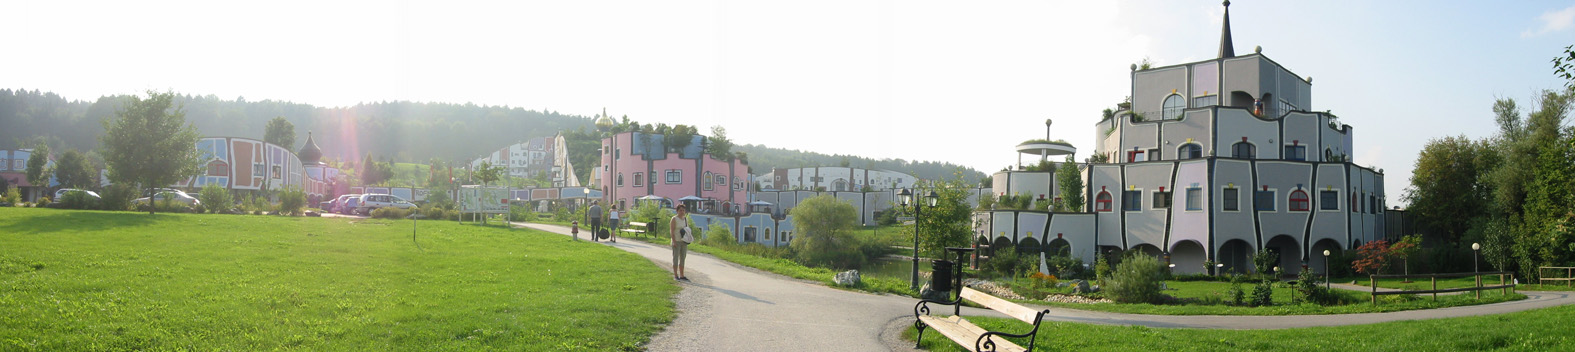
[
  {"x": 1194, "y": 198},
  {"x": 620, "y": 180},
  {"x": 1161, "y": 200},
  {"x": 1263, "y": 200},
  {"x": 1372, "y": 204},
  {"x": 1132, "y": 200},
  {"x": 1135, "y": 156},
  {"x": 1102, "y": 202},
  {"x": 1299, "y": 201},
  {"x": 639, "y": 179},
  {"x": 1189, "y": 151},
  {"x": 675, "y": 176},
  {"x": 1231, "y": 199},
  {"x": 1328, "y": 200},
  {"x": 707, "y": 181},
  {"x": 1244, "y": 150},
  {"x": 1296, "y": 152},
  {"x": 1173, "y": 107}
]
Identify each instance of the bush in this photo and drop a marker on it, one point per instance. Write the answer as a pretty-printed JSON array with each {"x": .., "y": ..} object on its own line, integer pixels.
[
  {"x": 117, "y": 197},
  {"x": 1263, "y": 294},
  {"x": 13, "y": 197},
  {"x": 522, "y": 213},
  {"x": 438, "y": 212},
  {"x": 390, "y": 213},
  {"x": 78, "y": 200},
  {"x": 42, "y": 202},
  {"x": 1238, "y": 295},
  {"x": 1136, "y": 280},
  {"x": 719, "y": 236},
  {"x": 825, "y": 237},
  {"x": 1308, "y": 289},
  {"x": 216, "y": 198},
  {"x": 291, "y": 201},
  {"x": 1066, "y": 266}
]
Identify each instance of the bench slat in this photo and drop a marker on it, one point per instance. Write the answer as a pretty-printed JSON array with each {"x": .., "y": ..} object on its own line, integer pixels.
[
  {"x": 1000, "y": 305},
  {"x": 965, "y": 333}
]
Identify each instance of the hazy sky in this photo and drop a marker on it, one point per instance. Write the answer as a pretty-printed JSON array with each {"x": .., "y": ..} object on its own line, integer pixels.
[{"x": 953, "y": 81}]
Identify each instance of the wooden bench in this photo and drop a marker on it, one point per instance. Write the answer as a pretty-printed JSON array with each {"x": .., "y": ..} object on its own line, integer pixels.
[
  {"x": 631, "y": 228},
  {"x": 964, "y": 333}
]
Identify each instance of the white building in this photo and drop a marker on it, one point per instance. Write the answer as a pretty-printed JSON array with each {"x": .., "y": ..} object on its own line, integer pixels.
[{"x": 832, "y": 179}]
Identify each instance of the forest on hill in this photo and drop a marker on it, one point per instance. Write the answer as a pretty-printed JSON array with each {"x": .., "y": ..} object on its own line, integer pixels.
[{"x": 390, "y": 131}]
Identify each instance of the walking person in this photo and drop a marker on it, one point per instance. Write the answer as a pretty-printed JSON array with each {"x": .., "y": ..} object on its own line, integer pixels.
[
  {"x": 612, "y": 223},
  {"x": 594, "y": 216},
  {"x": 681, "y": 236}
]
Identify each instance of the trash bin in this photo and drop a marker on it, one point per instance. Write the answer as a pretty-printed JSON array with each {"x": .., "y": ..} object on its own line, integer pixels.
[{"x": 941, "y": 276}]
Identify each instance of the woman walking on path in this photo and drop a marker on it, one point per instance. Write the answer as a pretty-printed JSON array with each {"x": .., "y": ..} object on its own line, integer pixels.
[
  {"x": 612, "y": 223},
  {"x": 681, "y": 236}
]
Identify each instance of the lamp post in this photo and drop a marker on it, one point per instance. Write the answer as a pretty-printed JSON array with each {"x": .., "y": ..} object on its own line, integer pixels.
[
  {"x": 907, "y": 198},
  {"x": 1326, "y": 280},
  {"x": 1475, "y": 247}
]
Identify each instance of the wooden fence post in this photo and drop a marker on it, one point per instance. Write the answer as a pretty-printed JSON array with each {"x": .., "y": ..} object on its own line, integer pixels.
[
  {"x": 1435, "y": 288},
  {"x": 1374, "y": 282}
]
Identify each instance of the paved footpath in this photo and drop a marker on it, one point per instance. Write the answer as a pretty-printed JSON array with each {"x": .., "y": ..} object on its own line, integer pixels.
[{"x": 728, "y": 307}]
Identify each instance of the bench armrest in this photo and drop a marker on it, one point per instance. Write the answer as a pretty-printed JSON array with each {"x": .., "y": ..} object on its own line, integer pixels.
[{"x": 923, "y": 308}]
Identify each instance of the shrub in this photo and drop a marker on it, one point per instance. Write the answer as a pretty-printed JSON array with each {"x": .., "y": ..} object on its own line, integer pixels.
[
  {"x": 291, "y": 201},
  {"x": 390, "y": 213},
  {"x": 42, "y": 202},
  {"x": 522, "y": 213},
  {"x": 78, "y": 200},
  {"x": 1308, "y": 290},
  {"x": 216, "y": 198},
  {"x": 1101, "y": 268},
  {"x": 117, "y": 197},
  {"x": 1066, "y": 266},
  {"x": 13, "y": 196},
  {"x": 438, "y": 212},
  {"x": 1263, "y": 294},
  {"x": 1238, "y": 295},
  {"x": 719, "y": 236},
  {"x": 1136, "y": 280},
  {"x": 825, "y": 233}
]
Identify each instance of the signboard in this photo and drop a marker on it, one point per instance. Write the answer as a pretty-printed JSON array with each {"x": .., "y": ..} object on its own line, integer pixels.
[
  {"x": 487, "y": 200},
  {"x": 904, "y": 218}
]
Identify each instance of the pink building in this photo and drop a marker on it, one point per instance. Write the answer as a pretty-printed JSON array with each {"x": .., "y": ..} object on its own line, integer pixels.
[{"x": 636, "y": 164}]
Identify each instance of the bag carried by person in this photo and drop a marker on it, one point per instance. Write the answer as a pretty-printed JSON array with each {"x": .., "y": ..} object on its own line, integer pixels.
[{"x": 684, "y": 235}]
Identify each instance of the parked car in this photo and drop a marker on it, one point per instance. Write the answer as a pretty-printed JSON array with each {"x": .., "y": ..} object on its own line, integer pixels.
[
  {"x": 348, "y": 208},
  {"x": 372, "y": 202},
  {"x": 175, "y": 196},
  {"x": 333, "y": 205},
  {"x": 63, "y": 191}
]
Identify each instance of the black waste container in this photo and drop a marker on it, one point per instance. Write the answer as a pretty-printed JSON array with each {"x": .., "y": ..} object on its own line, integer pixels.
[{"x": 941, "y": 276}]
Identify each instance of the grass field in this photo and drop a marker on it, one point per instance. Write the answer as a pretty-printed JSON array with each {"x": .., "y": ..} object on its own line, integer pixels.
[
  {"x": 85, "y": 280},
  {"x": 1356, "y": 302},
  {"x": 1535, "y": 330}
]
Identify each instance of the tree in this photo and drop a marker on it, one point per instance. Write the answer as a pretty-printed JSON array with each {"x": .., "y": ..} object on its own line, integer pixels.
[
  {"x": 720, "y": 147},
  {"x": 149, "y": 143},
  {"x": 1372, "y": 257},
  {"x": 38, "y": 171},
  {"x": 73, "y": 171},
  {"x": 1564, "y": 66},
  {"x": 488, "y": 173},
  {"x": 1404, "y": 248},
  {"x": 280, "y": 132},
  {"x": 1445, "y": 191},
  {"x": 948, "y": 223},
  {"x": 1071, "y": 182},
  {"x": 825, "y": 226}
]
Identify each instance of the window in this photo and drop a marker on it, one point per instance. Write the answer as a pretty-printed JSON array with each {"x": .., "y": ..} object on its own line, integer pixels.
[
  {"x": 1328, "y": 200},
  {"x": 1161, "y": 200},
  {"x": 1206, "y": 100},
  {"x": 675, "y": 176},
  {"x": 1189, "y": 151},
  {"x": 1372, "y": 204},
  {"x": 1173, "y": 106},
  {"x": 720, "y": 179},
  {"x": 1132, "y": 200},
  {"x": 1153, "y": 154},
  {"x": 1194, "y": 198},
  {"x": 1263, "y": 200},
  {"x": 620, "y": 180},
  {"x": 1134, "y": 156},
  {"x": 1244, "y": 150},
  {"x": 1355, "y": 204},
  {"x": 706, "y": 181},
  {"x": 1299, "y": 201},
  {"x": 1296, "y": 152},
  {"x": 1231, "y": 199},
  {"x": 1102, "y": 202}
]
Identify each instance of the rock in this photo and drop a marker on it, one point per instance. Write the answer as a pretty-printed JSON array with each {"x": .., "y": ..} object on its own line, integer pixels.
[
  {"x": 847, "y": 278},
  {"x": 930, "y": 293},
  {"x": 1081, "y": 288}
]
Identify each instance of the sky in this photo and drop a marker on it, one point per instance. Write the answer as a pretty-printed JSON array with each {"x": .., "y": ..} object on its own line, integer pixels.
[{"x": 959, "y": 82}]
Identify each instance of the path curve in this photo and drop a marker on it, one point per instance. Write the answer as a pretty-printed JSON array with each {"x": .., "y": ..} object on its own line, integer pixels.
[{"x": 729, "y": 307}]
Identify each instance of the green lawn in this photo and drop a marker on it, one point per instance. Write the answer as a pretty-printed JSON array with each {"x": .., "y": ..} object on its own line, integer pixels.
[
  {"x": 1203, "y": 298},
  {"x": 887, "y": 235},
  {"x": 88, "y": 280},
  {"x": 1534, "y": 330}
]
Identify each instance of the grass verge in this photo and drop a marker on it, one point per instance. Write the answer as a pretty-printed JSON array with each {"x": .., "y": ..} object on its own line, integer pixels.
[
  {"x": 790, "y": 268},
  {"x": 88, "y": 280},
  {"x": 1534, "y": 330},
  {"x": 1214, "y": 293}
]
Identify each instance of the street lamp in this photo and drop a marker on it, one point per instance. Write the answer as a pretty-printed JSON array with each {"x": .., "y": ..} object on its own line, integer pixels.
[
  {"x": 1326, "y": 280},
  {"x": 907, "y": 198},
  {"x": 1475, "y": 247}
]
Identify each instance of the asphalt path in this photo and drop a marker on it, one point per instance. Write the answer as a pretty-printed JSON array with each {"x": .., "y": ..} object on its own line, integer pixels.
[{"x": 728, "y": 307}]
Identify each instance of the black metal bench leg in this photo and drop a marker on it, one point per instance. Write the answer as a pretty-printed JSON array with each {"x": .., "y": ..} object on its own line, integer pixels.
[{"x": 920, "y": 339}]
